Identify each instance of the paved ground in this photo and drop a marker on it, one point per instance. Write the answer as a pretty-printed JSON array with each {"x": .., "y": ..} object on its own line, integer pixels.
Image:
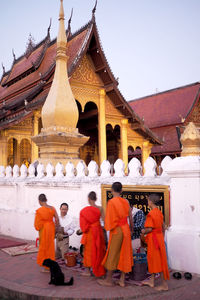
[{"x": 20, "y": 278}]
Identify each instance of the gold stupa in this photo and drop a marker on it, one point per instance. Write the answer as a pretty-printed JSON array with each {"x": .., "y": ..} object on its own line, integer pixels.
[
  {"x": 59, "y": 140},
  {"x": 190, "y": 140}
]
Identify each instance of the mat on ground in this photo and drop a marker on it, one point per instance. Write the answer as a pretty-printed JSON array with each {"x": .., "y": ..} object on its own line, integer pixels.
[
  {"x": 7, "y": 243},
  {"x": 20, "y": 250}
]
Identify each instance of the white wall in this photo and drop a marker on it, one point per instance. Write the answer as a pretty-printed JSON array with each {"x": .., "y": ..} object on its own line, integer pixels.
[
  {"x": 19, "y": 192},
  {"x": 183, "y": 236}
]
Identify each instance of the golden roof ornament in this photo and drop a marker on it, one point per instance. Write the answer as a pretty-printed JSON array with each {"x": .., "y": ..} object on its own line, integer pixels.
[
  {"x": 59, "y": 140},
  {"x": 190, "y": 140},
  {"x": 60, "y": 109}
]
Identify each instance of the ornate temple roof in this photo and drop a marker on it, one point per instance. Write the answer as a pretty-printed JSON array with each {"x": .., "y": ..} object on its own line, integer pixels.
[
  {"x": 165, "y": 112},
  {"x": 25, "y": 86}
]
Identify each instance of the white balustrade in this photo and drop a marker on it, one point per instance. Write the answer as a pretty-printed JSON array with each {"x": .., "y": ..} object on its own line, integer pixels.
[
  {"x": 2, "y": 172},
  {"x": 93, "y": 169},
  {"x": 119, "y": 168},
  {"x": 81, "y": 171},
  {"x": 134, "y": 167},
  {"x": 150, "y": 167},
  {"x": 23, "y": 171},
  {"x": 31, "y": 171},
  {"x": 8, "y": 172},
  {"x": 50, "y": 170},
  {"x": 80, "y": 168},
  {"x": 105, "y": 169},
  {"x": 59, "y": 170},
  {"x": 164, "y": 164},
  {"x": 15, "y": 171},
  {"x": 69, "y": 168},
  {"x": 40, "y": 171}
]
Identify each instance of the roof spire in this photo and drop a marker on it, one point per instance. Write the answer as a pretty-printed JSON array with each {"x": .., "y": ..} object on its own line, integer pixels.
[
  {"x": 30, "y": 45},
  {"x": 94, "y": 10},
  {"x": 13, "y": 53},
  {"x": 69, "y": 23},
  {"x": 3, "y": 68},
  {"x": 48, "y": 30}
]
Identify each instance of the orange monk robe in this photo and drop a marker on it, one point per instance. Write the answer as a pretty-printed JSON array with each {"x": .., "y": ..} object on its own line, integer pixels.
[
  {"x": 45, "y": 225},
  {"x": 156, "y": 251},
  {"x": 117, "y": 213},
  {"x": 92, "y": 239}
]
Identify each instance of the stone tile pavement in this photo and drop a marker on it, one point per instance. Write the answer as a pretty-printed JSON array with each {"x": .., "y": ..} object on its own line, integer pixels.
[{"x": 20, "y": 278}]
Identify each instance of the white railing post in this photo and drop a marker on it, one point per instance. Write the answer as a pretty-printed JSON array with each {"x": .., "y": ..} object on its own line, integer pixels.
[{"x": 134, "y": 167}]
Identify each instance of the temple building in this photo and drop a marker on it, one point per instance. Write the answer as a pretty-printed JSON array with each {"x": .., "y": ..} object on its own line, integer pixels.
[
  {"x": 167, "y": 114},
  {"x": 110, "y": 123}
]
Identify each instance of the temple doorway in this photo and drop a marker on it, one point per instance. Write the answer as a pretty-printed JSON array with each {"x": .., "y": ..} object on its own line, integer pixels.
[
  {"x": 113, "y": 143},
  {"x": 88, "y": 125},
  {"x": 25, "y": 152}
]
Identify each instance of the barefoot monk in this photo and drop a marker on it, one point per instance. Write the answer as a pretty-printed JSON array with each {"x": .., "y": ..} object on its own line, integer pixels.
[
  {"x": 44, "y": 223},
  {"x": 156, "y": 252},
  {"x": 119, "y": 255}
]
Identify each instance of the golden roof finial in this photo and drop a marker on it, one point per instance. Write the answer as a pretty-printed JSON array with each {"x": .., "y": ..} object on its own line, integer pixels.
[
  {"x": 61, "y": 39},
  {"x": 60, "y": 109},
  {"x": 61, "y": 14},
  {"x": 190, "y": 140}
]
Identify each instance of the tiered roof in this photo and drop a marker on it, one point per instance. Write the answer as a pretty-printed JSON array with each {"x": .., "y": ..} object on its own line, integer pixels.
[
  {"x": 165, "y": 113},
  {"x": 25, "y": 87}
]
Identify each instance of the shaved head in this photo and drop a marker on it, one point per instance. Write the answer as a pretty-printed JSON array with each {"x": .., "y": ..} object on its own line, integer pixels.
[{"x": 154, "y": 198}]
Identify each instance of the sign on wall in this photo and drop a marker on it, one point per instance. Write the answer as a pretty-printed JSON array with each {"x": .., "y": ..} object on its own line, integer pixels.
[{"x": 137, "y": 197}]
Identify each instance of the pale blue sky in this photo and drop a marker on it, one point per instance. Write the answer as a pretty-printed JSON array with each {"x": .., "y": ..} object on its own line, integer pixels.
[{"x": 150, "y": 44}]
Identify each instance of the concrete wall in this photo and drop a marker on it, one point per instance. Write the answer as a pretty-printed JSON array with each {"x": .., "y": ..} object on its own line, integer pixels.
[{"x": 183, "y": 236}]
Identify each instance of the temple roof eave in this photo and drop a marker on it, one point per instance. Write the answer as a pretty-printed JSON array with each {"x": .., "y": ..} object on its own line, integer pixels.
[{"x": 108, "y": 78}]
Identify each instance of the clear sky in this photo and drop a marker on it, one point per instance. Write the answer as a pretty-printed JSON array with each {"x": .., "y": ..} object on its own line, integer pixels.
[{"x": 151, "y": 45}]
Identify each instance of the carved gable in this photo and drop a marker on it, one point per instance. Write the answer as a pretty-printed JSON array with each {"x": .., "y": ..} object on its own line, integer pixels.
[
  {"x": 194, "y": 116},
  {"x": 85, "y": 73}
]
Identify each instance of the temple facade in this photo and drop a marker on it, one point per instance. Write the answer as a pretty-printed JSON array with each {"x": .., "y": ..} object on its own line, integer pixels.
[{"x": 105, "y": 117}]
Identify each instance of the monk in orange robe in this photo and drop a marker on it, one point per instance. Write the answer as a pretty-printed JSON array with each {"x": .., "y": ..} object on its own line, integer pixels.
[
  {"x": 156, "y": 251},
  {"x": 119, "y": 255},
  {"x": 44, "y": 223},
  {"x": 93, "y": 237}
]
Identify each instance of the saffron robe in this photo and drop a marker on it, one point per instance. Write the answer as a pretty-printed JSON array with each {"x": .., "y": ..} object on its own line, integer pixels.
[
  {"x": 117, "y": 213},
  {"x": 45, "y": 225},
  {"x": 156, "y": 251},
  {"x": 92, "y": 239}
]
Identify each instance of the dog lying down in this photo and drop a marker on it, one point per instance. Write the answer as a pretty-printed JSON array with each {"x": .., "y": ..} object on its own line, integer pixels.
[{"x": 57, "y": 276}]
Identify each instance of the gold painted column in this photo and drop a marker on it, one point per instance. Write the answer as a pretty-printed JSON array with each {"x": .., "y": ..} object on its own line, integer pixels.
[
  {"x": 16, "y": 153},
  {"x": 146, "y": 151},
  {"x": 35, "y": 149},
  {"x": 102, "y": 127},
  {"x": 124, "y": 142},
  {"x": 3, "y": 151}
]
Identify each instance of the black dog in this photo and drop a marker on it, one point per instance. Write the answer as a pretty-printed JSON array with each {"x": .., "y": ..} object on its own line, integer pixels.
[{"x": 57, "y": 276}]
